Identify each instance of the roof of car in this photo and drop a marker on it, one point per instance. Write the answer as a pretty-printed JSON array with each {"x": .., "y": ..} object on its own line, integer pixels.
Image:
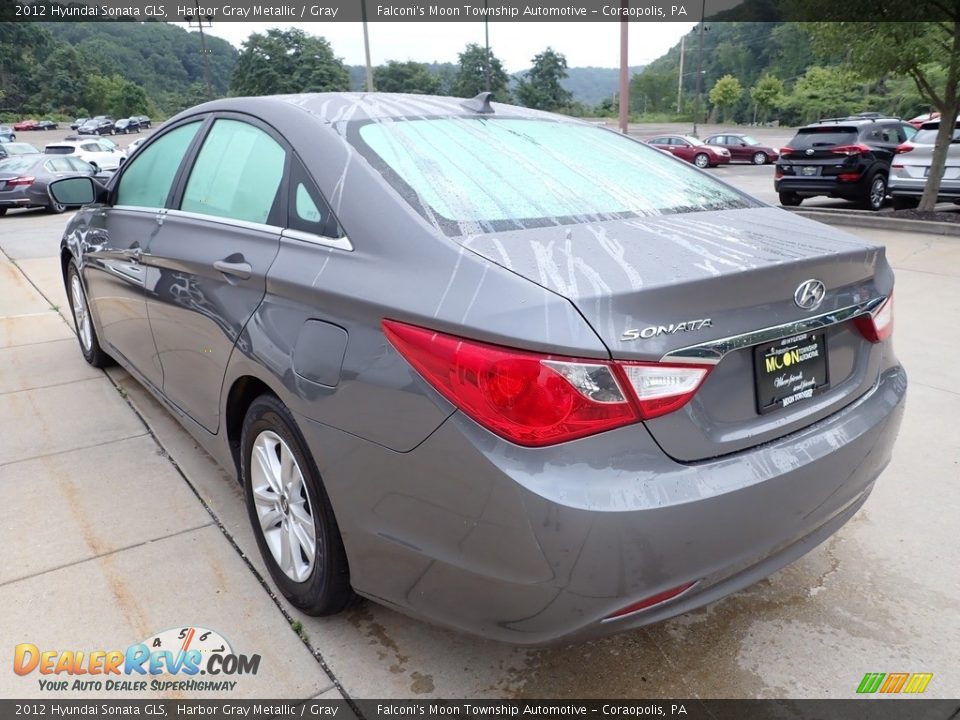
[
  {"x": 73, "y": 143},
  {"x": 359, "y": 106},
  {"x": 852, "y": 120}
]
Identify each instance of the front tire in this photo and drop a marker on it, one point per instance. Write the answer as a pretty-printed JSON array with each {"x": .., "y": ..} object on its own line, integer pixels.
[
  {"x": 790, "y": 199},
  {"x": 759, "y": 158},
  {"x": 877, "y": 192},
  {"x": 290, "y": 512},
  {"x": 701, "y": 160},
  {"x": 55, "y": 208},
  {"x": 86, "y": 332}
]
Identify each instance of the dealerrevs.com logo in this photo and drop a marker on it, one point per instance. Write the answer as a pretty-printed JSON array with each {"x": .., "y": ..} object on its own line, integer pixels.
[{"x": 170, "y": 661}]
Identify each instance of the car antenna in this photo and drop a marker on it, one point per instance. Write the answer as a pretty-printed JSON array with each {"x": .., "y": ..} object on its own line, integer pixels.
[{"x": 480, "y": 103}]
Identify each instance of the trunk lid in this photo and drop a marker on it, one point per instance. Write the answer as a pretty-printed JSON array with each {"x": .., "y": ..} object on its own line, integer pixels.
[{"x": 652, "y": 286}]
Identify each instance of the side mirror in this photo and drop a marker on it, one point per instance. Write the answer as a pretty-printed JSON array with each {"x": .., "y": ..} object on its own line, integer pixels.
[{"x": 75, "y": 191}]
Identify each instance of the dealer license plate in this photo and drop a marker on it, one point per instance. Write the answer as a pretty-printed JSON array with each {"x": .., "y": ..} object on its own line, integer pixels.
[{"x": 790, "y": 370}]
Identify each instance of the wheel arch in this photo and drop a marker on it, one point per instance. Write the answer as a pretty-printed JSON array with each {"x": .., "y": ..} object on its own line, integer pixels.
[{"x": 244, "y": 389}]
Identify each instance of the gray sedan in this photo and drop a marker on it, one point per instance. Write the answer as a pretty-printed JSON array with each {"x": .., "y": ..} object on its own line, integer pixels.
[
  {"x": 501, "y": 369},
  {"x": 911, "y": 168},
  {"x": 24, "y": 179}
]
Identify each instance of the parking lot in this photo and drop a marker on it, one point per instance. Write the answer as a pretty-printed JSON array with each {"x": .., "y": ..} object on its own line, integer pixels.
[{"x": 123, "y": 528}]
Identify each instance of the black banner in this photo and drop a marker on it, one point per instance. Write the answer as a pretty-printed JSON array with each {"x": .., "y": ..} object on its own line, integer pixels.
[
  {"x": 854, "y": 709},
  {"x": 292, "y": 11}
]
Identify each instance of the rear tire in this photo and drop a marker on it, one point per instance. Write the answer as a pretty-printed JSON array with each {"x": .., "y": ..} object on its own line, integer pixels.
[
  {"x": 83, "y": 322},
  {"x": 905, "y": 203},
  {"x": 790, "y": 199},
  {"x": 3, "y": 211},
  {"x": 876, "y": 192},
  {"x": 701, "y": 160},
  {"x": 56, "y": 208},
  {"x": 760, "y": 158},
  {"x": 290, "y": 512}
]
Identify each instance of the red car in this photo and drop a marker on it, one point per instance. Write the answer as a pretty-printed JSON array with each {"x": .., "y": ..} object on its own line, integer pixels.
[
  {"x": 921, "y": 119},
  {"x": 26, "y": 125},
  {"x": 743, "y": 148},
  {"x": 690, "y": 149}
]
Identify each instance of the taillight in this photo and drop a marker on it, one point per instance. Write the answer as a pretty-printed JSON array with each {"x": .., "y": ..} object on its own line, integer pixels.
[
  {"x": 849, "y": 177},
  {"x": 858, "y": 149},
  {"x": 786, "y": 150},
  {"x": 536, "y": 399},
  {"x": 905, "y": 148},
  {"x": 22, "y": 181},
  {"x": 877, "y": 326},
  {"x": 651, "y": 601},
  {"x": 777, "y": 173}
]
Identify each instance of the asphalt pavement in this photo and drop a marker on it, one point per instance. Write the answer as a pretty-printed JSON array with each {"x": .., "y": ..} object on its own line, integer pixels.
[{"x": 122, "y": 527}]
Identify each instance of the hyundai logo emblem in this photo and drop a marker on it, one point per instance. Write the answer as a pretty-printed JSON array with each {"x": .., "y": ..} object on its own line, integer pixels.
[{"x": 810, "y": 294}]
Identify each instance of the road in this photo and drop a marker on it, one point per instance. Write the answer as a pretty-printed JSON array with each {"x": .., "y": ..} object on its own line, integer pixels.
[{"x": 882, "y": 595}]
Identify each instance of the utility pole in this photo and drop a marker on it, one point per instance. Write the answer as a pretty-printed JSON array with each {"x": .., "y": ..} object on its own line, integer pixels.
[
  {"x": 366, "y": 45},
  {"x": 683, "y": 41},
  {"x": 696, "y": 112},
  {"x": 486, "y": 58},
  {"x": 624, "y": 71},
  {"x": 200, "y": 20}
]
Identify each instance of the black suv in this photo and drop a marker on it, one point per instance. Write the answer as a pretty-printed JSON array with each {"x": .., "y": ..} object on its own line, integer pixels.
[
  {"x": 100, "y": 125},
  {"x": 841, "y": 157}
]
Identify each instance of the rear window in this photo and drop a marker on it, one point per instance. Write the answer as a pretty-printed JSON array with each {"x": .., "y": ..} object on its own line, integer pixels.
[
  {"x": 470, "y": 175},
  {"x": 17, "y": 164},
  {"x": 58, "y": 150},
  {"x": 823, "y": 137},
  {"x": 928, "y": 136}
]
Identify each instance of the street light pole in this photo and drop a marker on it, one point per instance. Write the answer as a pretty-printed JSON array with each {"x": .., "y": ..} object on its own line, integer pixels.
[
  {"x": 683, "y": 41},
  {"x": 366, "y": 45},
  {"x": 203, "y": 48},
  {"x": 486, "y": 57},
  {"x": 624, "y": 71},
  {"x": 703, "y": 22}
]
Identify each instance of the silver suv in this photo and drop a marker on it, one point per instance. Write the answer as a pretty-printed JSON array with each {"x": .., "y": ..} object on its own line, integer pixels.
[{"x": 911, "y": 168}]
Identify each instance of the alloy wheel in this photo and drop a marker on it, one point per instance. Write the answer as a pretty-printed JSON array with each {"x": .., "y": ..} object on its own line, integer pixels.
[
  {"x": 759, "y": 159},
  {"x": 701, "y": 161},
  {"x": 283, "y": 506},
  {"x": 878, "y": 191},
  {"x": 81, "y": 314}
]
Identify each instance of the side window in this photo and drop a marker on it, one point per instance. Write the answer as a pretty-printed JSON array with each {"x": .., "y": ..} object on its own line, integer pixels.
[
  {"x": 308, "y": 211},
  {"x": 237, "y": 173},
  {"x": 58, "y": 165},
  {"x": 147, "y": 178},
  {"x": 79, "y": 165},
  {"x": 91, "y": 147},
  {"x": 890, "y": 134}
]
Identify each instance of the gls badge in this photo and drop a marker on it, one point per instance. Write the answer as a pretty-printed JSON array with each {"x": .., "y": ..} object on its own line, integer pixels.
[{"x": 671, "y": 329}]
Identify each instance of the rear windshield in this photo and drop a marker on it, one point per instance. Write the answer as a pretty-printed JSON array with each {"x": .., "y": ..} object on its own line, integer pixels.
[
  {"x": 469, "y": 175},
  {"x": 58, "y": 150},
  {"x": 823, "y": 137},
  {"x": 928, "y": 136}
]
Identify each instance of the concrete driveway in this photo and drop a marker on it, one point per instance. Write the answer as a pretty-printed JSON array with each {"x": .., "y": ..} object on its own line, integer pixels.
[{"x": 124, "y": 527}]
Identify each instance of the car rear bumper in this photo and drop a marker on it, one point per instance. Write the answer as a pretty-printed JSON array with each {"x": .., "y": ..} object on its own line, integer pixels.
[
  {"x": 810, "y": 187},
  {"x": 539, "y": 546}
]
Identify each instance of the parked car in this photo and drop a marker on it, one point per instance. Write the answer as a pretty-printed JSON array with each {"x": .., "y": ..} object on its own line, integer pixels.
[
  {"x": 911, "y": 168},
  {"x": 24, "y": 180},
  {"x": 127, "y": 125},
  {"x": 743, "y": 148},
  {"x": 97, "y": 126},
  {"x": 135, "y": 144},
  {"x": 840, "y": 157},
  {"x": 75, "y": 125},
  {"x": 15, "y": 148},
  {"x": 691, "y": 149},
  {"x": 919, "y": 120},
  {"x": 102, "y": 154},
  {"x": 143, "y": 120},
  {"x": 537, "y": 395},
  {"x": 7, "y": 134},
  {"x": 25, "y": 125},
  {"x": 47, "y": 125}
]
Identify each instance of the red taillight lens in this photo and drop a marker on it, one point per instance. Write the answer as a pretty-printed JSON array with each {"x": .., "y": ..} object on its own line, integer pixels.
[
  {"x": 848, "y": 177},
  {"x": 858, "y": 149},
  {"x": 904, "y": 148},
  {"x": 786, "y": 150},
  {"x": 22, "y": 181},
  {"x": 651, "y": 601},
  {"x": 778, "y": 173},
  {"x": 877, "y": 326},
  {"x": 537, "y": 399}
]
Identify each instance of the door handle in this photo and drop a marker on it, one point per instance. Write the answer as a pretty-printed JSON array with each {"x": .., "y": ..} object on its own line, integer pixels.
[
  {"x": 241, "y": 270},
  {"x": 135, "y": 254}
]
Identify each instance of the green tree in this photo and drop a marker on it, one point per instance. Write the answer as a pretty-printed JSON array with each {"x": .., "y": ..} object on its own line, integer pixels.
[
  {"x": 287, "y": 61},
  {"x": 825, "y": 92},
  {"x": 540, "y": 88},
  {"x": 60, "y": 82},
  {"x": 406, "y": 77},
  {"x": 725, "y": 93},
  {"x": 767, "y": 94},
  {"x": 653, "y": 91},
  {"x": 915, "y": 49},
  {"x": 471, "y": 77}
]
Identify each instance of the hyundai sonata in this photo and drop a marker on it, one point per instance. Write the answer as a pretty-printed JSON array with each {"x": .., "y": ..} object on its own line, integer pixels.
[{"x": 500, "y": 369}]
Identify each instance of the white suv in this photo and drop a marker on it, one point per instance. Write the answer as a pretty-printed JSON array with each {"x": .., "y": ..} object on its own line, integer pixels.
[{"x": 102, "y": 154}]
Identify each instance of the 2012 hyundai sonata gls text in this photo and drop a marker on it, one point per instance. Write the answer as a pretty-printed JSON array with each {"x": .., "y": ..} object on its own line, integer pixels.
[{"x": 500, "y": 369}]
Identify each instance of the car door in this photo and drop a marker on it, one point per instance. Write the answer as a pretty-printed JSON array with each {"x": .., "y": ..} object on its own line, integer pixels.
[
  {"x": 682, "y": 149},
  {"x": 207, "y": 268},
  {"x": 114, "y": 276}
]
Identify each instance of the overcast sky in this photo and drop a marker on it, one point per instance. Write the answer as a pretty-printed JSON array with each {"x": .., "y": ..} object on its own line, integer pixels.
[{"x": 587, "y": 43}]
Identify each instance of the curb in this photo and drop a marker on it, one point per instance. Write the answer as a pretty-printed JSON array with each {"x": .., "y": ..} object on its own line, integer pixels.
[{"x": 879, "y": 222}]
